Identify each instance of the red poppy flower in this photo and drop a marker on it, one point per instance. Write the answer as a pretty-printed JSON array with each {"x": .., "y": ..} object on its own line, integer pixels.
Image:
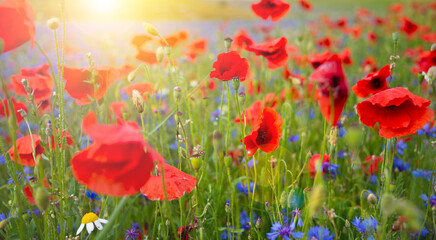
[
  {"x": 65, "y": 134},
  {"x": 175, "y": 38},
  {"x": 198, "y": 46},
  {"x": 16, "y": 23},
  {"x": 396, "y": 7},
  {"x": 274, "y": 51},
  {"x": 266, "y": 132},
  {"x": 79, "y": 88},
  {"x": 325, "y": 42},
  {"x": 331, "y": 80},
  {"x": 142, "y": 88},
  {"x": 305, "y": 5},
  {"x": 28, "y": 192},
  {"x": 276, "y": 9},
  {"x": 119, "y": 161},
  {"x": 146, "y": 56},
  {"x": 345, "y": 56},
  {"x": 117, "y": 108},
  {"x": 371, "y": 36},
  {"x": 17, "y": 106},
  {"x": 318, "y": 59},
  {"x": 373, "y": 83},
  {"x": 408, "y": 26},
  {"x": 39, "y": 79},
  {"x": 371, "y": 165},
  {"x": 369, "y": 64},
  {"x": 312, "y": 163},
  {"x": 425, "y": 61},
  {"x": 398, "y": 112},
  {"x": 24, "y": 148},
  {"x": 228, "y": 66},
  {"x": 242, "y": 40},
  {"x": 251, "y": 113},
  {"x": 177, "y": 183},
  {"x": 341, "y": 22},
  {"x": 139, "y": 40},
  {"x": 429, "y": 37}
]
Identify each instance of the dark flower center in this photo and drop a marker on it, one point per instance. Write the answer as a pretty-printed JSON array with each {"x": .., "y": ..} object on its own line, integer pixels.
[
  {"x": 376, "y": 82},
  {"x": 335, "y": 81}
]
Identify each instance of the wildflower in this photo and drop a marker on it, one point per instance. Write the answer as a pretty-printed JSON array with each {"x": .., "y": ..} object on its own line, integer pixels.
[
  {"x": 244, "y": 189},
  {"x": 371, "y": 164},
  {"x": 25, "y": 150},
  {"x": 429, "y": 130},
  {"x": 332, "y": 83},
  {"x": 420, "y": 173},
  {"x": 431, "y": 201},
  {"x": 319, "y": 233},
  {"x": 20, "y": 28},
  {"x": 274, "y": 51},
  {"x": 399, "y": 165},
  {"x": 276, "y": 9},
  {"x": 373, "y": 83},
  {"x": 91, "y": 220},
  {"x": 408, "y": 26},
  {"x": 177, "y": 183},
  {"x": 228, "y": 66},
  {"x": 251, "y": 163},
  {"x": 142, "y": 88},
  {"x": 398, "y": 112},
  {"x": 294, "y": 214},
  {"x": 92, "y": 195},
  {"x": 38, "y": 80},
  {"x": 119, "y": 161},
  {"x": 294, "y": 138},
  {"x": 366, "y": 226},
  {"x": 283, "y": 231},
  {"x": 245, "y": 220},
  {"x": 16, "y": 105},
  {"x": 266, "y": 133},
  {"x": 131, "y": 234},
  {"x": 242, "y": 40},
  {"x": 305, "y": 5},
  {"x": 421, "y": 233},
  {"x": 326, "y": 166}
]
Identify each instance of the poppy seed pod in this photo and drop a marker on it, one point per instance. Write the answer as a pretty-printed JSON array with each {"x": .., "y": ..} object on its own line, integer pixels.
[
  {"x": 138, "y": 101},
  {"x": 42, "y": 198},
  {"x": 177, "y": 93},
  {"x": 196, "y": 161},
  {"x": 236, "y": 82},
  {"x": 53, "y": 23},
  {"x": 150, "y": 29},
  {"x": 227, "y": 43},
  {"x": 160, "y": 54},
  {"x": 395, "y": 36},
  {"x": 333, "y": 138},
  {"x": 241, "y": 97}
]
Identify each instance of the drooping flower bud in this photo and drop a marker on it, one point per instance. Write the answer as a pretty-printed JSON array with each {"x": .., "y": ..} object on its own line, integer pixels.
[
  {"x": 131, "y": 76},
  {"x": 138, "y": 101},
  {"x": 177, "y": 94},
  {"x": 178, "y": 117},
  {"x": 26, "y": 85},
  {"x": 160, "y": 54},
  {"x": 22, "y": 112},
  {"x": 42, "y": 198},
  {"x": 53, "y": 23},
  {"x": 150, "y": 29},
  {"x": 49, "y": 128},
  {"x": 227, "y": 43},
  {"x": 236, "y": 82},
  {"x": 372, "y": 199},
  {"x": 4, "y": 222}
]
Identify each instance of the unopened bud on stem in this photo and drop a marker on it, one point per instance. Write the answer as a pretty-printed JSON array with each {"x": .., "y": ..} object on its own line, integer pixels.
[{"x": 138, "y": 101}]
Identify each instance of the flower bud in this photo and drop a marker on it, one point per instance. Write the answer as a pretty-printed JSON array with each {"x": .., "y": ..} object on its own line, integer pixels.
[
  {"x": 196, "y": 161},
  {"x": 26, "y": 85},
  {"x": 227, "y": 207},
  {"x": 178, "y": 117},
  {"x": 3, "y": 224},
  {"x": 177, "y": 94},
  {"x": 160, "y": 54},
  {"x": 395, "y": 36},
  {"x": 138, "y": 101},
  {"x": 333, "y": 138},
  {"x": 22, "y": 112},
  {"x": 267, "y": 206},
  {"x": 241, "y": 97},
  {"x": 131, "y": 76},
  {"x": 421, "y": 77},
  {"x": 53, "y": 23},
  {"x": 227, "y": 43},
  {"x": 49, "y": 128},
  {"x": 167, "y": 222},
  {"x": 236, "y": 82},
  {"x": 372, "y": 199},
  {"x": 227, "y": 160},
  {"x": 258, "y": 223},
  {"x": 150, "y": 29},
  {"x": 42, "y": 198},
  {"x": 347, "y": 224}
]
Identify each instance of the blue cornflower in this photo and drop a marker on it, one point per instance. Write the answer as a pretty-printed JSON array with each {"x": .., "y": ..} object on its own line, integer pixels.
[
  {"x": 2, "y": 160},
  {"x": 2, "y": 217},
  {"x": 365, "y": 226},
  {"x": 228, "y": 234},
  {"x": 432, "y": 199},
  {"x": 341, "y": 130},
  {"x": 294, "y": 213},
  {"x": 421, "y": 173},
  {"x": 341, "y": 154},
  {"x": 373, "y": 179},
  {"x": 431, "y": 132},
  {"x": 27, "y": 171},
  {"x": 92, "y": 195},
  {"x": 249, "y": 164},
  {"x": 174, "y": 145},
  {"x": 401, "y": 146},
  {"x": 131, "y": 234},
  {"x": 245, "y": 220},
  {"x": 318, "y": 233},
  {"x": 399, "y": 165},
  {"x": 243, "y": 188},
  {"x": 294, "y": 138},
  {"x": 284, "y": 231},
  {"x": 331, "y": 168},
  {"x": 215, "y": 115},
  {"x": 85, "y": 141},
  {"x": 312, "y": 113},
  {"x": 423, "y": 232}
]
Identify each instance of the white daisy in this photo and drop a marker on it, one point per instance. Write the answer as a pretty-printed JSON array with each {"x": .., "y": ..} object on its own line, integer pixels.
[{"x": 89, "y": 220}]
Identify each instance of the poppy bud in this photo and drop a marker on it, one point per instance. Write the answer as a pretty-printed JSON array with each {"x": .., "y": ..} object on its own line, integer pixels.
[
  {"x": 22, "y": 112},
  {"x": 53, "y": 23},
  {"x": 347, "y": 224},
  {"x": 131, "y": 76},
  {"x": 42, "y": 198},
  {"x": 177, "y": 93},
  {"x": 432, "y": 48},
  {"x": 236, "y": 83},
  {"x": 421, "y": 77},
  {"x": 159, "y": 54},
  {"x": 372, "y": 199},
  {"x": 150, "y": 29},
  {"x": 196, "y": 162},
  {"x": 26, "y": 85},
  {"x": 241, "y": 97},
  {"x": 3, "y": 224},
  {"x": 217, "y": 143},
  {"x": 138, "y": 101},
  {"x": 258, "y": 223},
  {"x": 227, "y": 160},
  {"x": 167, "y": 222},
  {"x": 227, "y": 43},
  {"x": 333, "y": 138},
  {"x": 395, "y": 36}
]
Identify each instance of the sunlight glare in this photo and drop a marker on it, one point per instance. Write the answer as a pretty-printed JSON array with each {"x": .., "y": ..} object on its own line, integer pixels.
[{"x": 104, "y": 6}]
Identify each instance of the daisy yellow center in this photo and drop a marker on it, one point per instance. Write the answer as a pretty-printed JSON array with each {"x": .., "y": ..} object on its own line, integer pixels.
[{"x": 89, "y": 218}]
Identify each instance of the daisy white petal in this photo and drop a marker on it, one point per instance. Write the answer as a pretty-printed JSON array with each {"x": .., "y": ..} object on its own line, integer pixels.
[
  {"x": 90, "y": 227},
  {"x": 103, "y": 220},
  {"x": 98, "y": 225},
  {"x": 80, "y": 229}
]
